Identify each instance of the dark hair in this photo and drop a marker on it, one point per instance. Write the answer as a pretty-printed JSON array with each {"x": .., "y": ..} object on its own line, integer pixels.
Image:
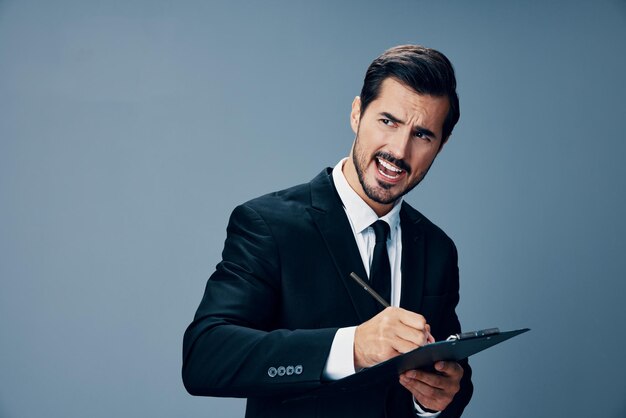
[{"x": 425, "y": 70}]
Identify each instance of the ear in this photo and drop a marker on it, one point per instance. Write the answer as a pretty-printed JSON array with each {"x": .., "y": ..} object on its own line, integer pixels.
[{"x": 355, "y": 114}]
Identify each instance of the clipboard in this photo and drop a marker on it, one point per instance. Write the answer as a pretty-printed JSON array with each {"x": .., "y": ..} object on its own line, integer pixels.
[{"x": 455, "y": 348}]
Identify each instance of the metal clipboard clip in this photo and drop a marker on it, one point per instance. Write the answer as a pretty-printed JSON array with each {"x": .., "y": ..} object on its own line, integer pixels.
[{"x": 474, "y": 334}]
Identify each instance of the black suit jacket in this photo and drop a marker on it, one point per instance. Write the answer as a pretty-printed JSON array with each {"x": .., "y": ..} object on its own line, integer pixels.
[{"x": 271, "y": 309}]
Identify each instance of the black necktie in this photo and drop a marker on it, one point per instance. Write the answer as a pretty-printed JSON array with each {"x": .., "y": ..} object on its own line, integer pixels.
[{"x": 380, "y": 271}]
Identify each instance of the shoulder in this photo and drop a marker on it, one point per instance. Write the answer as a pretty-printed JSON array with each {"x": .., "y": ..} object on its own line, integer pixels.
[
  {"x": 420, "y": 224},
  {"x": 287, "y": 204},
  {"x": 281, "y": 202}
]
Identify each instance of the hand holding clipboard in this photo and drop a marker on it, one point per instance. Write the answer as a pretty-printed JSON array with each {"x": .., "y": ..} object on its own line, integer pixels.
[{"x": 456, "y": 347}]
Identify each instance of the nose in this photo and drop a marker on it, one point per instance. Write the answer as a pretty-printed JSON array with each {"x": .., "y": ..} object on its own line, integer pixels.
[{"x": 399, "y": 144}]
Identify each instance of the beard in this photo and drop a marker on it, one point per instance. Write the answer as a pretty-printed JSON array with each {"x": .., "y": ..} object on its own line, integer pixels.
[{"x": 377, "y": 190}]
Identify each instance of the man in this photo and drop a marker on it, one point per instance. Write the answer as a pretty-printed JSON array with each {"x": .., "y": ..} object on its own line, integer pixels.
[{"x": 281, "y": 316}]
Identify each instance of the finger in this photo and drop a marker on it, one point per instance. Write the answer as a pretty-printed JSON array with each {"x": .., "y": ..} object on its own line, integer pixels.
[
  {"x": 449, "y": 368},
  {"x": 430, "y": 339},
  {"x": 441, "y": 366},
  {"x": 411, "y": 319},
  {"x": 446, "y": 386},
  {"x": 417, "y": 387},
  {"x": 403, "y": 346},
  {"x": 417, "y": 337},
  {"x": 427, "y": 396},
  {"x": 433, "y": 380},
  {"x": 417, "y": 322}
]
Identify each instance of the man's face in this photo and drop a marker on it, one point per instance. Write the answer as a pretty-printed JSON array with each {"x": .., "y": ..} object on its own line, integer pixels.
[{"x": 397, "y": 140}]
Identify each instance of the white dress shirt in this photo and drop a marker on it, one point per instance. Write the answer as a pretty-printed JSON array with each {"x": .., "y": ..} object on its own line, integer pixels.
[{"x": 340, "y": 361}]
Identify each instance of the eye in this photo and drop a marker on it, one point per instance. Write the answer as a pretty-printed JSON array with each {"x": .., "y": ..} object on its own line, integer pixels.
[
  {"x": 387, "y": 122},
  {"x": 422, "y": 135}
]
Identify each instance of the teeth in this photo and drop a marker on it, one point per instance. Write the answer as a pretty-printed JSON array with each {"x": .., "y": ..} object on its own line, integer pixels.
[
  {"x": 387, "y": 175},
  {"x": 388, "y": 166}
]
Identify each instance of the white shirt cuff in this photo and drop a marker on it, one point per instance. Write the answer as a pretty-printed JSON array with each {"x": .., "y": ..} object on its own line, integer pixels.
[
  {"x": 423, "y": 414},
  {"x": 340, "y": 362}
]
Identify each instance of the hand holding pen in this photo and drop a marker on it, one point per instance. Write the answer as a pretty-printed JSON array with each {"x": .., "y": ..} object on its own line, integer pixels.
[{"x": 392, "y": 332}]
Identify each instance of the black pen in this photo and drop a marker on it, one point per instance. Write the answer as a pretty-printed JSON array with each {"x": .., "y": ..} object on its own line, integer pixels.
[{"x": 369, "y": 290}]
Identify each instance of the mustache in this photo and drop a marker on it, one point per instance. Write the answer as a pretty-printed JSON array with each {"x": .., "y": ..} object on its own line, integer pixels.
[{"x": 401, "y": 164}]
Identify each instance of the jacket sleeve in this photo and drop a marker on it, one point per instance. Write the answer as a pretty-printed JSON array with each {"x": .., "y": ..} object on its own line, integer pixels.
[
  {"x": 235, "y": 346},
  {"x": 451, "y": 325}
]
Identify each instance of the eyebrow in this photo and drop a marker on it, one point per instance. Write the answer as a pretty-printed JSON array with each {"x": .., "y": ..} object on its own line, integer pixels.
[{"x": 417, "y": 129}]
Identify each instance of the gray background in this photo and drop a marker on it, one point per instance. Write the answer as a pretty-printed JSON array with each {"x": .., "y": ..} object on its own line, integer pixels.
[{"x": 130, "y": 129}]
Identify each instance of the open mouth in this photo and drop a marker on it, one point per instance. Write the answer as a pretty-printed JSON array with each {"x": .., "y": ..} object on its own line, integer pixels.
[{"x": 388, "y": 170}]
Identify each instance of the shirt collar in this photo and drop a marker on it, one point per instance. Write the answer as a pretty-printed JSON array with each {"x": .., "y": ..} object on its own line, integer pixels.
[{"x": 359, "y": 212}]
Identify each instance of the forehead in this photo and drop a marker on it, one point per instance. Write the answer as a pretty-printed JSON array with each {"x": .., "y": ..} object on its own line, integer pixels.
[{"x": 408, "y": 105}]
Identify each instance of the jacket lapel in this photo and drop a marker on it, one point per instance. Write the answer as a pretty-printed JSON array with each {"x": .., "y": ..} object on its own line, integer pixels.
[
  {"x": 330, "y": 218},
  {"x": 413, "y": 255}
]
